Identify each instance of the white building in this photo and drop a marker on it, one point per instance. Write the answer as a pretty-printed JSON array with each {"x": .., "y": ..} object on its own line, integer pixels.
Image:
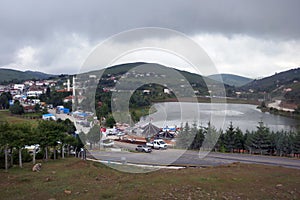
[
  {"x": 92, "y": 76},
  {"x": 167, "y": 91},
  {"x": 146, "y": 91},
  {"x": 19, "y": 87},
  {"x": 38, "y": 83},
  {"x": 34, "y": 93}
]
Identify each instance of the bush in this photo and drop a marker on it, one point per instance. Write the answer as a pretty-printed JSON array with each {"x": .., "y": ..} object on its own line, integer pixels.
[
  {"x": 39, "y": 155},
  {"x": 26, "y": 157}
]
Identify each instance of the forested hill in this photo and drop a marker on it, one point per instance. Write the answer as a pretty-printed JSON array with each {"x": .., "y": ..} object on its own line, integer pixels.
[
  {"x": 284, "y": 84},
  {"x": 7, "y": 75},
  {"x": 270, "y": 83},
  {"x": 197, "y": 81},
  {"x": 231, "y": 79}
]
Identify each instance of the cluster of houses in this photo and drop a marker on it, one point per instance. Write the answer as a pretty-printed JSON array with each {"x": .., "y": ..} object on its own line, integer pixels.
[
  {"x": 29, "y": 88},
  {"x": 28, "y": 92}
]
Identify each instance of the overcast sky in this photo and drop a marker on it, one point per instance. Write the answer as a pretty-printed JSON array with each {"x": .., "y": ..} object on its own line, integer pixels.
[{"x": 252, "y": 38}]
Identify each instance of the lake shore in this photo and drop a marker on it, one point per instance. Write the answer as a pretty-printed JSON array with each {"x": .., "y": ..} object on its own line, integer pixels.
[{"x": 209, "y": 100}]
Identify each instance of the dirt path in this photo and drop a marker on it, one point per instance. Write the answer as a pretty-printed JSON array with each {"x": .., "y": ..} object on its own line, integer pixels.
[{"x": 276, "y": 105}]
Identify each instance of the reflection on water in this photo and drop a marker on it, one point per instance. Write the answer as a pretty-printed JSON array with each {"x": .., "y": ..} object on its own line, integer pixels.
[{"x": 245, "y": 116}]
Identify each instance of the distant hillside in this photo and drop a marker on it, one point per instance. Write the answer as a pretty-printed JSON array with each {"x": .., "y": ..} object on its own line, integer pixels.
[
  {"x": 191, "y": 77},
  {"x": 197, "y": 81},
  {"x": 271, "y": 83},
  {"x": 231, "y": 79},
  {"x": 7, "y": 75},
  {"x": 285, "y": 85}
]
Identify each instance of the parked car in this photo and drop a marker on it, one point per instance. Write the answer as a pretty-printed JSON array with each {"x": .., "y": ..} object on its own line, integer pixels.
[
  {"x": 157, "y": 144},
  {"x": 107, "y": 143},
  {"x": 110, "y": 133},
  {"x": 143, "y": 148},
  {"x": 31, "y": 148},
  {"x": 119, "y": 134}
]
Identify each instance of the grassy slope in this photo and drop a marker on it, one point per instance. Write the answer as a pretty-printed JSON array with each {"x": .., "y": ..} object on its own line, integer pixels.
[
  {"x": 6, "y": 117},
  {"x": 270, "y": 83},
  {"x": 231, "y": 79},
  {"x": 87, "y": 180},
  {"x": 9, "y": 74}
]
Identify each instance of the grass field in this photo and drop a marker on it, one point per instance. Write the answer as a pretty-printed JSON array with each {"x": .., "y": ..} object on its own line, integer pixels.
[
  {"x": 6, "y": 116},
  {"x": 76, "y": 179}
]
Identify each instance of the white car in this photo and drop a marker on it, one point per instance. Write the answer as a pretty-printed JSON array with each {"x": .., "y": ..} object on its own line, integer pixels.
[
  {"x": 157, "y": 144},
  {"x": 119, "y": 134},
  {"x": 107, "y": 143},
  {"x": 143, "y": 148}
]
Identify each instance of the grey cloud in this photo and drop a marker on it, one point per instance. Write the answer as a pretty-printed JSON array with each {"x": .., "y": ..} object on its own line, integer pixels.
[
  {"x": 35, "y": 22},
  {"x": 37, "y": 19}
]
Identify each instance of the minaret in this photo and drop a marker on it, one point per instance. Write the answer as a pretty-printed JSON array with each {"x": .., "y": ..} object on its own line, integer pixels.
[
  {"x": 74, "y": 106},
  {"x": 68, "y": 85},
  {"x": 73, "y": 87}
]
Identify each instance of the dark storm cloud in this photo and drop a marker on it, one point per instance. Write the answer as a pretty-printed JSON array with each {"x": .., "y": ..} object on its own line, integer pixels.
[
  {"x": 37, "y": 19},
  {"x": 39, "y": 22}
]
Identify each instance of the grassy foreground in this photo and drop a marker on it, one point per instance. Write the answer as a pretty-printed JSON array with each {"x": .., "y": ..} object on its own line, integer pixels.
[{"x": 76, "y": 179}]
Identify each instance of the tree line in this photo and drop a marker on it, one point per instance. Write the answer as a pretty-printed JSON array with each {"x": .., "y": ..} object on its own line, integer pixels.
[
  {"x": 261, "y": 141},
  {"x": 50, "y": 137}
]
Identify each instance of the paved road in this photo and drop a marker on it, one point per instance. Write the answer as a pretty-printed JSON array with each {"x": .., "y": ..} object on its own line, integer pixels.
[{"x": 189, "y": 158}]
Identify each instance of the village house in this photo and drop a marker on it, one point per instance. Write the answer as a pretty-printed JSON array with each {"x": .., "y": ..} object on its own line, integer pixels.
[
  {"x": 70, "y": 99},
  {"x": 34, "y": 91},
  {"x": 29, "y": 83},
  {"x": 19, "y": 87}
]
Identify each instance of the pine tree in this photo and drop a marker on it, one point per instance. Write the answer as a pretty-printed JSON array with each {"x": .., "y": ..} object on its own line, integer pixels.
[
  {"x": 211, "y": 137},
  {"x": 248, "y": 140},
  {"x": 229, "y": 138},
  {"x": 274, "y": 142},
  {"x": 261, "y": 138},
  {"x": 220, "y": 143},
  {"x": 183, "y": 140},
  {"x": 239, "y": 140},
  {"x": 296, "y": 144},
  {"x": 198, "y": 138}
]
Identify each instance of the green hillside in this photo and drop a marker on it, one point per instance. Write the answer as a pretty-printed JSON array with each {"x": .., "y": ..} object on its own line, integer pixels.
[
  {"x": 231, "y": 79},
  {"x": 197, "y": 81},
  {"x": 7, "y": 75},
  {"x": 284, "y": 85},
  {"x": 275, "y": 81}
]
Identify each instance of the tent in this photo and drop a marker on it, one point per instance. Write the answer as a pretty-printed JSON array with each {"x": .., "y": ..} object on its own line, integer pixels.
[
  {"x": 149, "y": 130},
  {"x": 165, "y": 135}
]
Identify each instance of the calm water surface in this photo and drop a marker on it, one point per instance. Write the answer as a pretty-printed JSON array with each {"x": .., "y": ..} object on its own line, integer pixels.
[{"x": 245, "y": 116}]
